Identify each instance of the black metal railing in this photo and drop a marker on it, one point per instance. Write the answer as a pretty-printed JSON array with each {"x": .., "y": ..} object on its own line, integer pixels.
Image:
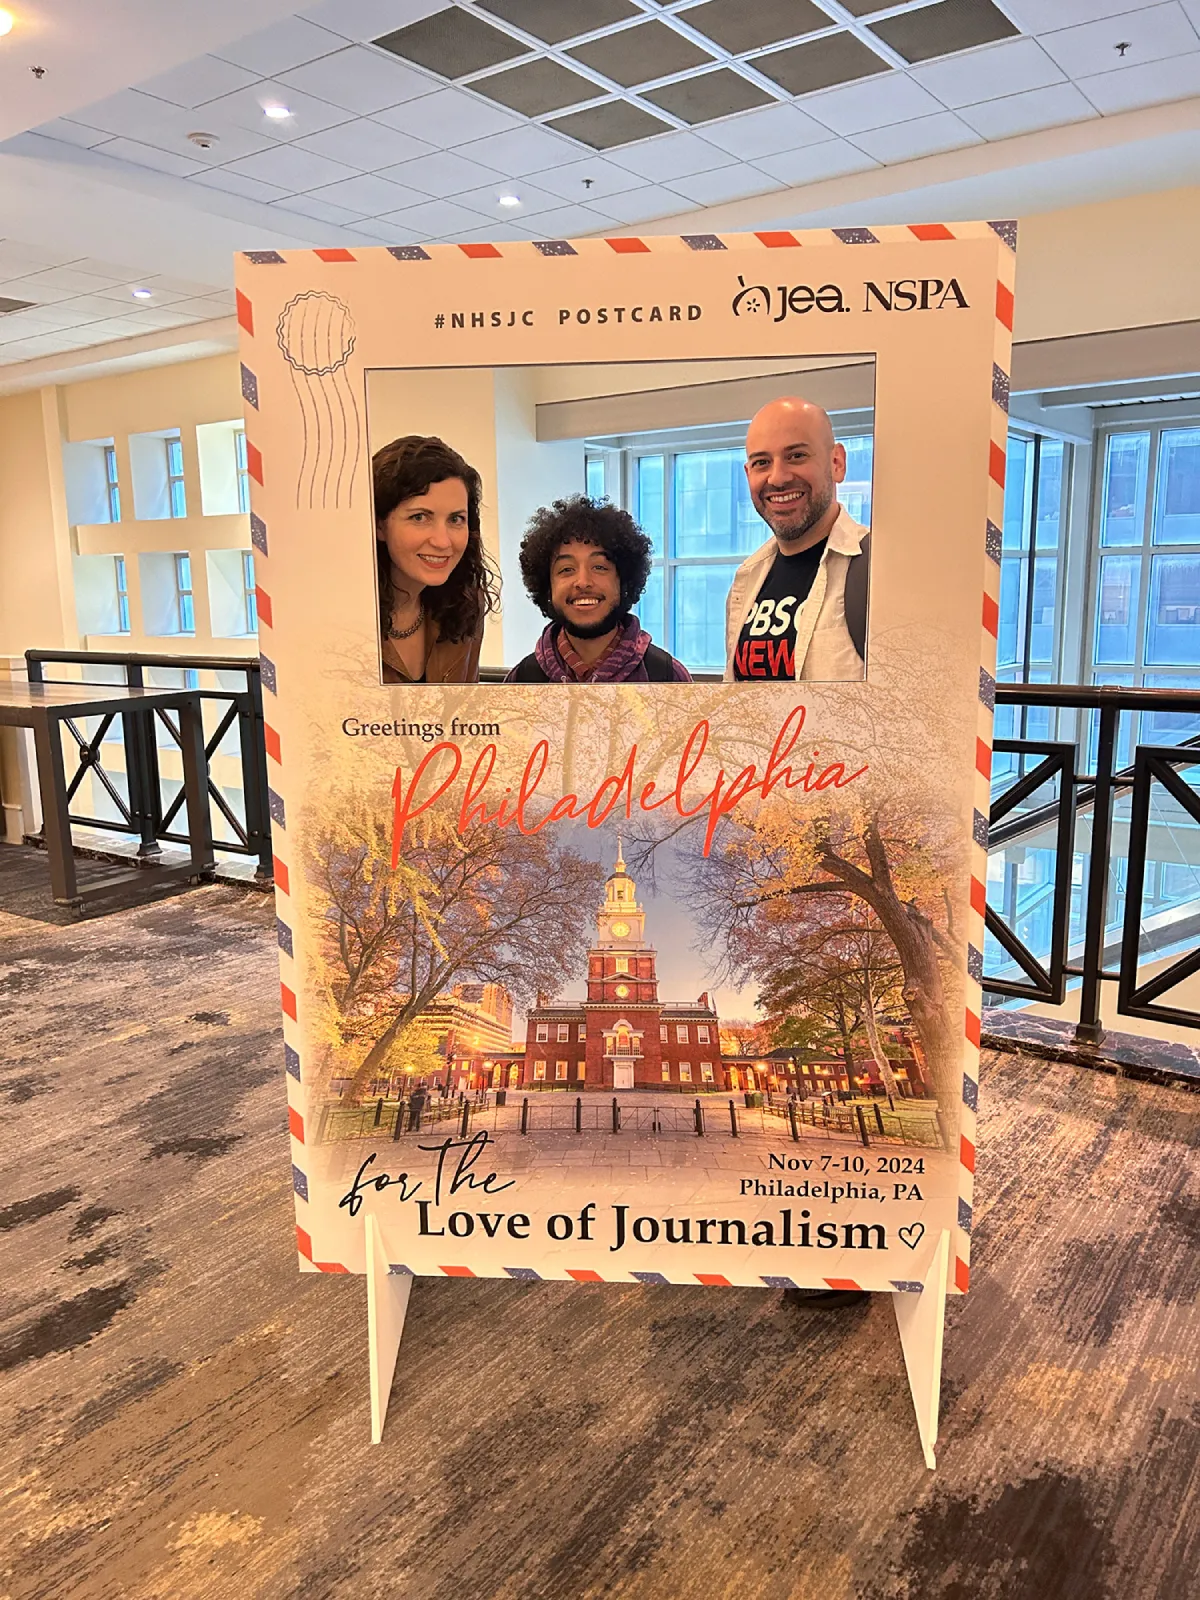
[
  {"x": 143, "y": 809},
  {"x": 1087, "y": 787}
]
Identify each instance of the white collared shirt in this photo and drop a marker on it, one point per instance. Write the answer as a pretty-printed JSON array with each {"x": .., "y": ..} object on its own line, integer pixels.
[{"x": 824, "y": 649}]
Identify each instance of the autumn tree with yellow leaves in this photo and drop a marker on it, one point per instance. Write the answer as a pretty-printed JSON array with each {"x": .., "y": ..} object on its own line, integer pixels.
[{"x": 490, "y": 904}]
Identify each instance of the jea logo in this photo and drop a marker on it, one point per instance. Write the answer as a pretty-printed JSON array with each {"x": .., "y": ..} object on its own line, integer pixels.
[{"x": 757, "y": 300}]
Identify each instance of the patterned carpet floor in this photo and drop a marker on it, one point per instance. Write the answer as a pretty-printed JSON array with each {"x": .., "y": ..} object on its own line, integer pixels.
[{"x": 183, "y": 1415}]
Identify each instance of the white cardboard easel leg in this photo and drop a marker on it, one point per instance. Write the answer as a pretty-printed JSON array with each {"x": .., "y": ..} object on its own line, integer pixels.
[
  {"x": 921, "y": 1320},
  {"x": 387, "y": 1305}
]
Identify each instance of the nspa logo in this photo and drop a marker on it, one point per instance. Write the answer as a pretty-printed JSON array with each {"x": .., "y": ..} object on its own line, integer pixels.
[{"x": 898, "y": 294}]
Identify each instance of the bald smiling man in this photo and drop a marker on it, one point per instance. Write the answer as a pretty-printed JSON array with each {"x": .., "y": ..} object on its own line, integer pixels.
[{"x": 797, "y": 608}]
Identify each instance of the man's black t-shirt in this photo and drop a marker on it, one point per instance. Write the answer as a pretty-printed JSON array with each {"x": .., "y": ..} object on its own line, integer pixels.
[{"x": 766, "y": 647}]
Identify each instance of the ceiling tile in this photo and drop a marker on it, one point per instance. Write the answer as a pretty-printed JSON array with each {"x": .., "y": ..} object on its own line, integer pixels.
[
  {"x": 365, "y": 144},
  {"x": 709, "y": 95},
  {"x": 486, "y": 201},
  {"x": 675, "y": 155},
  {"x": 571, "y": 222},
  {"x": 923, "y": 136},
  {"x": 363, "y": 20},
  {"x": 236, "y": 183},
  {"x": 864, "y": 8},
  {"x": 940, "y": 30},
  {"x": 68, "y": 278},
  {"x": 133, "y": 115},
  {"x": 1043, "y": 16},
  {"x": 556, "y": 20},
  {"x": 443, "y": 173},
  {"x": 833, "y": 159},
  {"x": 872, "y": 104},
  {"x": 522, "y": 150},
  {"x": 119, "y": 293},
  {"x": 449, "y": 117},
  {"x": 508, "y": 233},
  {"x": 68, "y": 132},
  {"x": 767, "y": 132},
  {"x": 537, "y": 86},
  {"x": 41, "y": 294},
  {"x": 369, "y": 195},
  {"x": 1008, "y": 68},
  {"x": 726, "y": 183},
  {"x": 188, "y": 287},
  {"x": 1051, "y": 107},
  {"x": 147, "y": 155},
  {"x": 638, "y": 54},
  {"x": 194, "y": 82},
  {"x": 803, "y": 68},
  {"x": 308, "y": 205},
  {"x": 568, "y": 182},
  {"x": 606, "y": 127},
  {"x": 359, "y": 79},
  {"x": 16, "y": 257},
  {"x": 285, "y": 44},
  {"x": 452, "y": 43},
  {"x": 645, "y": 204},
  {"x": 1148, "y": 85},
  {"x": 436, "y": 217},
  {"x": 740, "y": 25},
  {"x": 1153, "y": 35},
  {"x": 371, "y": 229},
  {"x": 291, "y": 169},
  {"x": 244, "y": 109}
]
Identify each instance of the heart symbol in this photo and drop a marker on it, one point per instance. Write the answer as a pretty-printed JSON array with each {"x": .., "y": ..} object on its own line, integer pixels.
[{"x": 913, "y": 1234}]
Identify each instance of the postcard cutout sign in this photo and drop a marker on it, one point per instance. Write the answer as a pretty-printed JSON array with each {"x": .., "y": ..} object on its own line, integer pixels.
[{"x": 659, "y": 962}]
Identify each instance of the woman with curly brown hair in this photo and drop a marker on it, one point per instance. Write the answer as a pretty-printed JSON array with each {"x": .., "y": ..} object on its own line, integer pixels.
[{"x": 436, "y": 584}]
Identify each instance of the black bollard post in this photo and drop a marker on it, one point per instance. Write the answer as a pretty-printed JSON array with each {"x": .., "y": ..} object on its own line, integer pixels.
[
  {"x": 378, "y": 1110},
  {"x": 616, "y": 1115},
  {"x": 792, "y": 1119},
  {"x": 525, "y": 1115},
  {"x": 578, "y": 1113},
  {"x": 878, "y": 1117},
  {"x": 862, "y": 1126},
  {"x": 699, "y": 1119},
  {"x": 733, "y": 1119},
  {"x": 466, "y": 1119},
  {"x": 398, "y": 1129}
]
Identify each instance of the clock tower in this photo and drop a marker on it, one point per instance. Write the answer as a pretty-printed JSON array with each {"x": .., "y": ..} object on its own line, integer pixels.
[
  {"x": 622, "y": 922},
  {"x": 620, "y": 963}
]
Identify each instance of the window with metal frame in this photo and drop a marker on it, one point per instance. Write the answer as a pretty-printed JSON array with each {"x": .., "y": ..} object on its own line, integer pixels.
[
  {"x": 175, "y": 486},
  {"x": 122, "y": 585},
  {"x": 243, "y": 470},
  {"x": 113, "y": 487},
  {"x": 693, "y": 502},
  {"x": 250, "y": 587},
  {"x": 184, "y": 592}
]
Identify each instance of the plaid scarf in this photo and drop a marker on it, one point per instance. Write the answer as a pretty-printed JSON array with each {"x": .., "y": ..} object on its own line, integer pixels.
[{"x": 622, "y": 662}]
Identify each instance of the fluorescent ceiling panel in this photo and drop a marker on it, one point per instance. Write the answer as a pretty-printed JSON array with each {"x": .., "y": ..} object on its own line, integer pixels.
[
  {"x": 452, "y": 43},
  {"x": 537, "y": 86},
  {"x": 636, "y": 55},
  {"x": 605, "y": 127},
  {"x": 740, "y": 25},
  {"x": 803, "y": 68},
  {"x": 556, "y": 20},
  {"x": 709, "y": 96},
  {"x": 942, "y": 29}
]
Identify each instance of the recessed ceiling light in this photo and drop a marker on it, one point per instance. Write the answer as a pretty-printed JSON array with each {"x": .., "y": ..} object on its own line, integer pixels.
[
  {"x": 510, "y": 200},
  {"x": 6, "y": 22},
  {"x": 140, "y": 294},
  {"x": 277, "y": 113}
]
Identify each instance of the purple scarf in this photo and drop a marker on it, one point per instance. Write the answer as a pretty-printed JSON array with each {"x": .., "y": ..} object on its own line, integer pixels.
[{"x": 623, "y": 663}]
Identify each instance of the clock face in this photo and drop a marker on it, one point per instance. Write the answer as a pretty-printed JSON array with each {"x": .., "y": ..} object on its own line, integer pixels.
[
  {"x": 620, "y": 929},
  {"x": 622, "y": 991}
]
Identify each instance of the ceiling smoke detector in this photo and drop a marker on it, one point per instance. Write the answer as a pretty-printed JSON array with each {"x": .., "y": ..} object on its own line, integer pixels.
[{"x": 204, "y": 140}]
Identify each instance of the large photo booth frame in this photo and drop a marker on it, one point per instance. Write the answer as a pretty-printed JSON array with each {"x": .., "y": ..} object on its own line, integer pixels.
[{"x": 931, "y": 304}]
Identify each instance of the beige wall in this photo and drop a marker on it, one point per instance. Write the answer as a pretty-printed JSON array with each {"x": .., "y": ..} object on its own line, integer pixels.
[{"x": 37, "y": 605}]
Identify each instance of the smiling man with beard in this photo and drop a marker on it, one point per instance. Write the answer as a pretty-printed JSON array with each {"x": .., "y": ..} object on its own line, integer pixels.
[
  {"x": 797, "y": 608},
  {"x": 585, "y": 564}
]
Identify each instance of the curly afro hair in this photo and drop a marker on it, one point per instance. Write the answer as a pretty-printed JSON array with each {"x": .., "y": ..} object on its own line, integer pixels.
[{"x": 583, "y": 521}]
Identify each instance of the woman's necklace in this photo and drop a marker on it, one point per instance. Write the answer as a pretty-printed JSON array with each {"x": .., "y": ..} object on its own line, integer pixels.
[{"x": 407, "y": 633}]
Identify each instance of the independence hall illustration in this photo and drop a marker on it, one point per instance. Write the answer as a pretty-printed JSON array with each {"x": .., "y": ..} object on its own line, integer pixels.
[{"x": 622, "y": 1036}]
